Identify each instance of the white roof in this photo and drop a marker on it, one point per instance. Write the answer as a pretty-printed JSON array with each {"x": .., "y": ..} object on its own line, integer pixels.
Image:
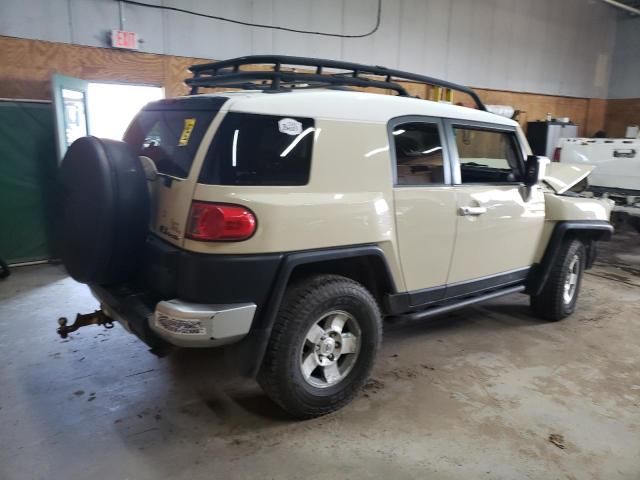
[{"x": 351, "y": 106}]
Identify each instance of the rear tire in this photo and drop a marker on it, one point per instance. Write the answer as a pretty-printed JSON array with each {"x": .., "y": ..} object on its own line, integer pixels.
[
  {"x": 322, "y": 347},
  {"x": 559, "y": 296}
]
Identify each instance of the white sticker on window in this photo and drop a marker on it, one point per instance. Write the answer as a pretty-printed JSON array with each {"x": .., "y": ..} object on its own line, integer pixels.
[{"x": 290, "y": 126}]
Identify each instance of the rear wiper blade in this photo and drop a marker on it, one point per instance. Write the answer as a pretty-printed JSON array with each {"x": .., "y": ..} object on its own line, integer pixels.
[{"x": 473, "y": 164}]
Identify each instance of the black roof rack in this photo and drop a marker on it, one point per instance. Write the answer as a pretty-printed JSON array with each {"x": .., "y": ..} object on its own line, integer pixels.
[{"x": 227, "y": 73}]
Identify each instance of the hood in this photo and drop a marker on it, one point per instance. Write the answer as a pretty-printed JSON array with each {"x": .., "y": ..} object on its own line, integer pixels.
[{"x": 562, "y": 176}]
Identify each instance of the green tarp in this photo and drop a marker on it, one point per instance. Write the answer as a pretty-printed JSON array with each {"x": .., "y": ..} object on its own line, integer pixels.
[{"x": 27, "y": 181}]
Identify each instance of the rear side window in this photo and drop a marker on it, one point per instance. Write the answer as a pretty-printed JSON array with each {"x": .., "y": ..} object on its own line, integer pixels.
[
  {"x": 251, "y": 149},
  {"x": 169, "y": 137},
  {"x": 419, "y": 159}
]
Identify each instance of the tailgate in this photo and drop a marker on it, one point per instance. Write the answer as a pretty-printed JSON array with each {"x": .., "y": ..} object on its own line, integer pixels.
[{"x": 170, "y": 133}]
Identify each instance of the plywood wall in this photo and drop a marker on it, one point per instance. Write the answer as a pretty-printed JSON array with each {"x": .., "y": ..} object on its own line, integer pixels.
[
  {"x": 536, "y": 107},
  {"x": 596, "y": 116},
  {"x": 557, "y": 47},
  {"x": 589, "y": 114},
  {"x": 27, "y": 66},
  {"x": 620, "y": 114}
]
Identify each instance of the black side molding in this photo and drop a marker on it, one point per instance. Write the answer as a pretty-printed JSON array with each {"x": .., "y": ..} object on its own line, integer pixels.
[
  {"x": 593, "y": 230},
  {"x": 398, "y": 303},
  {"x": 417, "y": 300}
]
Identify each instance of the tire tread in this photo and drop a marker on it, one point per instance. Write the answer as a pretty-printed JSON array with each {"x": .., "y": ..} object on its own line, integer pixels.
[
  {"x": 298, "y": 302},
  {"x": 549, "y": 304}
]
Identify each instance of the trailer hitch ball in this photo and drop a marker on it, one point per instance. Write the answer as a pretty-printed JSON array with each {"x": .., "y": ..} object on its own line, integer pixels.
[{"x": 82, "y": 320}]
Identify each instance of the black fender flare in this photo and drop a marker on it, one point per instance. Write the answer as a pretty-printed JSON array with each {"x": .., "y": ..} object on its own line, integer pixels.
[
  {"x": 254, "y": 346},
  {"x": 595, "y": 230}
]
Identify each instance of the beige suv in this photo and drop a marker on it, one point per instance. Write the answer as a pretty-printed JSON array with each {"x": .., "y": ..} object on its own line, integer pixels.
[{"x": 292, "y": 215}]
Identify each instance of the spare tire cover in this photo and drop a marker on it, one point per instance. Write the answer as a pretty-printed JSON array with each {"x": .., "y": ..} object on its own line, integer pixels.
[{"x": 105, "y": 211}]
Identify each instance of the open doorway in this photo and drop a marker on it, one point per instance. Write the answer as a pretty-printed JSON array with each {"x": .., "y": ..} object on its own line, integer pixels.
[
  {"x": 95, "y": 108},
  {"x": 111, "y": 106}
]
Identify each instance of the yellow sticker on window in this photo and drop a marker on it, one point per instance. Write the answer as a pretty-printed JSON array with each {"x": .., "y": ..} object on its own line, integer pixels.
[{"x": 189, "y": 123}]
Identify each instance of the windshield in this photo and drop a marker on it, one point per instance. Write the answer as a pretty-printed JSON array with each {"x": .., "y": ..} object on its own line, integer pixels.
[{"x": 169, "y": 137}]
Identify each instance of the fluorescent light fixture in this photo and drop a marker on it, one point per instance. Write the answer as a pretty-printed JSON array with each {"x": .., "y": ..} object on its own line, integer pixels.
[{"x": 296, "y": 140}]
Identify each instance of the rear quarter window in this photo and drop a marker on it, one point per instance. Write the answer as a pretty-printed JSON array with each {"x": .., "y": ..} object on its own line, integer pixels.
[{"x": 251, "y": 149}]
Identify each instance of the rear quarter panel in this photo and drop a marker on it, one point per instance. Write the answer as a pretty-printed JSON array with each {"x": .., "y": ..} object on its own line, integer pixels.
[{"x": 348, "y": 200}]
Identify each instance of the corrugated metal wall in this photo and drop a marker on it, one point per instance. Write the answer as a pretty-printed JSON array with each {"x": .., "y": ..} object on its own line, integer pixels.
[
  {"x": 625, "y": 78},
  {"x": 559, "y": 47}
]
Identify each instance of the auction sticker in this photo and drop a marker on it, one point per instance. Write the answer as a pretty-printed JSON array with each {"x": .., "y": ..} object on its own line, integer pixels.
[
  {"x": 189, "y": 123},
  {"x": 290, "y": 126}
]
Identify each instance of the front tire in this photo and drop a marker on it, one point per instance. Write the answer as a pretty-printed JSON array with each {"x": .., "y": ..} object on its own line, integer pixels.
[
  {"x": 322, "y": 347},
  {"x": 560, "y": 293}
]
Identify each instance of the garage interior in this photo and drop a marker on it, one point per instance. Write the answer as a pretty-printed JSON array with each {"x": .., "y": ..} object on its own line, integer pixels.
[{"x": 484, "y": 392}]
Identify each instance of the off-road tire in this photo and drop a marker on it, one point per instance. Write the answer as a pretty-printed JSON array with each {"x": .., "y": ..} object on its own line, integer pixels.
[
  {"x": 551, "y": 303},
  {"x": 304, "y": 302}
]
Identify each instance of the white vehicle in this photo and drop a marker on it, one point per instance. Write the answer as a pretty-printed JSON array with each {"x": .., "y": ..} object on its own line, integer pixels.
[{"x": 616, "y": 162}]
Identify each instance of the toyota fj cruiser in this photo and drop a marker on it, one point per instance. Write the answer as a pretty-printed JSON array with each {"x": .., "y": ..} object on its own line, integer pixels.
[{"x": 294, "y": 214}]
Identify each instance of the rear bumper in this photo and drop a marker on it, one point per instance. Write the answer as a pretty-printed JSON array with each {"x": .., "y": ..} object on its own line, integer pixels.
[
  {"x": 170, "y": 272},
  {"x": 175, "y": 322},
  {"x": 196, "y": 325}
]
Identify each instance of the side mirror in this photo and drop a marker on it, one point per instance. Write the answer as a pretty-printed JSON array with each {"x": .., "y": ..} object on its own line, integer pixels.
[{"x": 534, "y": 170}]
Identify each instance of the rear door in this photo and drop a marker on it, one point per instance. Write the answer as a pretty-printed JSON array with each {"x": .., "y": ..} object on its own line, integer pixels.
[
  {"x": 174, "y": 135},
  {"x": 499, "y": 220},
  {"x": 424, "y": 205},
  {"x": 70, "y": 106}
]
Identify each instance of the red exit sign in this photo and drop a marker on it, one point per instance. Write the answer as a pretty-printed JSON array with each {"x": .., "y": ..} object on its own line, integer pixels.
[{"x": 122, "y": 39}]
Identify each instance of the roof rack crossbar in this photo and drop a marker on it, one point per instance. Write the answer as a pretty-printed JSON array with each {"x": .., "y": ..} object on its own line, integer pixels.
[{"x": 218, "y": 74}]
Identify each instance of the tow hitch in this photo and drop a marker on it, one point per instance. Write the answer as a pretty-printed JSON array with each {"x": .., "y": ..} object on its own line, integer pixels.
[{"x": 96, "y": 318}]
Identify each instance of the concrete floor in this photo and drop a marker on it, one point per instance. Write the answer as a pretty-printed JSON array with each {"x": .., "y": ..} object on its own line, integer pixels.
[{"x": 482, "y": 393}]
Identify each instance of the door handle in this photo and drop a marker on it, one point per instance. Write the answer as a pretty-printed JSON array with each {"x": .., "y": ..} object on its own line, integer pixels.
[
  {"x": 466, "y": 211},
  {"x": 630, "y": 153}
]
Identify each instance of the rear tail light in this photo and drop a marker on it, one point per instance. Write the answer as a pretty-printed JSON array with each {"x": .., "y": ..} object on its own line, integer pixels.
[
  {"x": 215, "y": 221},
  {"x": 556, "y": 154}
]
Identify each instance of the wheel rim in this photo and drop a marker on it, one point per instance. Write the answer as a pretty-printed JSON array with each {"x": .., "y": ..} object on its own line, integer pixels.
[
  {"x": 571, "y": 282},
  {"x": 330, "y": 349}
]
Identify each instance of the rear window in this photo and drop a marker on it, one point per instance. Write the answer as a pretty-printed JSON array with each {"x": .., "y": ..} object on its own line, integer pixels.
[
  {"x": 251, "y": 149},
  {"x": 169, "y": 137}
]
